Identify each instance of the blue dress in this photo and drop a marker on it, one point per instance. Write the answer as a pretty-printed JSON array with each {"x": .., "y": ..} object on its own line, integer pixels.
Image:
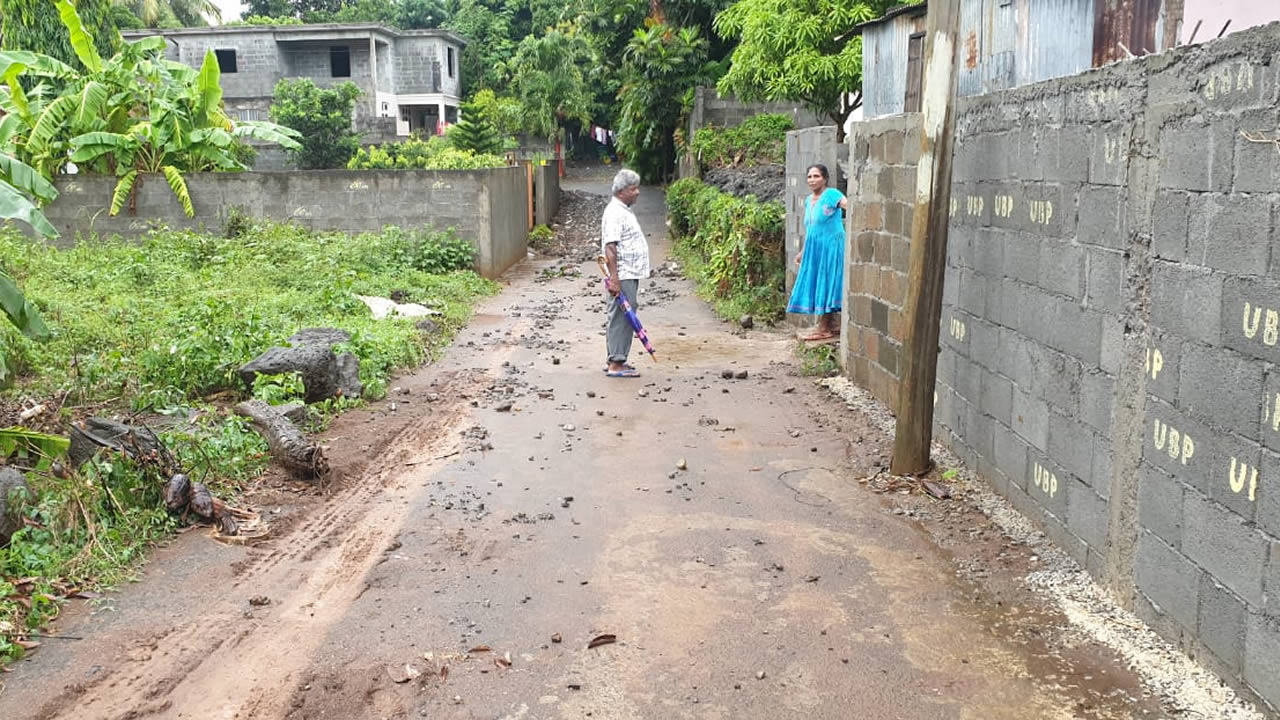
[{"x": 819, "y": 287}]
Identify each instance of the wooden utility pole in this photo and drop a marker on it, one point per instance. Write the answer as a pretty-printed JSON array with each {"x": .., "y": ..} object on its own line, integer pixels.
[{"x": 928, "y": 261}]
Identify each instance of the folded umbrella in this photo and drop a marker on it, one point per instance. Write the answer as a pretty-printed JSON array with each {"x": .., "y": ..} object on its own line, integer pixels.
[{"x": 626, "y": 308}]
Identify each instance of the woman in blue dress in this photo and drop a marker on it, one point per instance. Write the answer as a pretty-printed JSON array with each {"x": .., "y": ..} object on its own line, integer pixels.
[{"x": 819, "y": 288}]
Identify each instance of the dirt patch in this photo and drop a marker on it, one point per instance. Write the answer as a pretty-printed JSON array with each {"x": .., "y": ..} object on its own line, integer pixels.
[
  {"x": 576, "y": 227},
  {"x": 768, "y": 183}
]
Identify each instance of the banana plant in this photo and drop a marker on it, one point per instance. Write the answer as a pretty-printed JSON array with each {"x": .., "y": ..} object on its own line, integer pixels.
[{"x": 130, "y": 115}]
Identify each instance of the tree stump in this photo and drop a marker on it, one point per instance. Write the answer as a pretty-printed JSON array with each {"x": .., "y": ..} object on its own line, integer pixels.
[{"x": 310, "y": 354}]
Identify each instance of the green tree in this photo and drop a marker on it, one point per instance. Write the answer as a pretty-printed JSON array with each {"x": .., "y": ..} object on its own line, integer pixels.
[
  {"x": 322, "y": 117},
  {"x": 476, "y": 131},
  {"x": 403, "y": 14},
  {"x": 289, "y": 8},
  {"x": 487, "y": 25},
  {"x": 661, "y": 65},
  {"x": 506, "y": 113},
  {"x": 802, "y": 51},
  {"x": 549, "y": 80},
  {"x": 173, "y": 13},
  {"x": 33, "y": 25}
]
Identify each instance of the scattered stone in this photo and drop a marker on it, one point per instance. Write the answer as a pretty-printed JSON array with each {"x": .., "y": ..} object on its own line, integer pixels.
[
  {"x": 557, "y": 639},
  {"x": 642, "y": 392},
  {"x": 747, "y": 322},
  {"x": 727, "y": 374},
  {"x": 504, "y": 407},
  {"x": 555, "y": 361},
  {"x": 259, "y": 601},
  {"x": 591, "y": 393},
  {"x": 569, "y": 428},
  {"x": 682, "y": 464},
  {"x": 760, "y": 675},
  {"x": 741, "y": 375}
]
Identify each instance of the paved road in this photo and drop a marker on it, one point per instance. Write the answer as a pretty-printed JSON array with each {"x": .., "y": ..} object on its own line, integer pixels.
[{"x": 761, "y": 582}]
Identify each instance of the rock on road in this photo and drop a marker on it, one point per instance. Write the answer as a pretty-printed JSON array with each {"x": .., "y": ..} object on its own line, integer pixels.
[{"x": 510, "y": 504}]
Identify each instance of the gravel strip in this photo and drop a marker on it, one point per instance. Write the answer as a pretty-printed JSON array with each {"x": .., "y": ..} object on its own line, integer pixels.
[{"x": 1181, "y": 683}]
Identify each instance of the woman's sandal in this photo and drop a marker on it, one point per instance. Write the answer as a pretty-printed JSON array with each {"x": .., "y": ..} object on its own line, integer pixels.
[
  {"x": 818, "y": 337},
  {"x": 623, "y": 373}
]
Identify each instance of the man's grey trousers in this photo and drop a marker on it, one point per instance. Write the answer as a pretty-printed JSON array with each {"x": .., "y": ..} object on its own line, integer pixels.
[{"x": 620, "y": 332}]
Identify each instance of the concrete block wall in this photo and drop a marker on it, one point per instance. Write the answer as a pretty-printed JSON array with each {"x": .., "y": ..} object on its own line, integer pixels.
[
  {"x": 488, "y": 207},
  {"x": 1109, "y": 333},
  {"x": 804, "y": 148},
  {"x": 711, "y": 109},
  {"x": 546, "y": 189},
  {"x": 882, "y": 203}
]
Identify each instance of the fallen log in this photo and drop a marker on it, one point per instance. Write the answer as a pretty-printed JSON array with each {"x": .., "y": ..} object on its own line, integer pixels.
[
  {"x": 288, "y": 445},
  {"x": 137, "y": 443}
]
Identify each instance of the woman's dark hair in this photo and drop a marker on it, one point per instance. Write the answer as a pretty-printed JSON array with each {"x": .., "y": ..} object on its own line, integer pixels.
[{"x": 826, "y": 174}]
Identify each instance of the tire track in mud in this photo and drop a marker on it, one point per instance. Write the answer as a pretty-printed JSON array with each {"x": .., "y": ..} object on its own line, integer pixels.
[{"x": 215, "y": 666}]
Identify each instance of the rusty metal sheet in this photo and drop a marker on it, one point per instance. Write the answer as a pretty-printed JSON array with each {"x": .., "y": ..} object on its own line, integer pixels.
[{"x": 1126, "y": 28}]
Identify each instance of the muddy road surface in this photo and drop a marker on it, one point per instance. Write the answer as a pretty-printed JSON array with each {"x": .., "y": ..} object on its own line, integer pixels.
[{"x": 509, "y": 505}]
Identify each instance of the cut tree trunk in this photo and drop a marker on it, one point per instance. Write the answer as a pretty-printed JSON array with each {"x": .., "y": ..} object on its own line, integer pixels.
[
  {"x": 324, "y": 373},
  {"x": 288, "y": 445}
]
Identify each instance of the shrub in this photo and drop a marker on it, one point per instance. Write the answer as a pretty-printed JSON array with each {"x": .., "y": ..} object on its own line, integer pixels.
[
  {"x": 760, "y": 140},
  {"x": 323, "y": 117},
  {"x": 732, "y": 246},
  {"x": 433, "y": 154}
]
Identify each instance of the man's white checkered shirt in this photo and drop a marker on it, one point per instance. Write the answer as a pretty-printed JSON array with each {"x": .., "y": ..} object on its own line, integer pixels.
[{"x": 619, "y": 225}]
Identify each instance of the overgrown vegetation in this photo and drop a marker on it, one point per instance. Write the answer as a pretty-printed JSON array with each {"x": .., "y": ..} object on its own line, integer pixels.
[
  {"x": 820, "y": 360},
  {"x": 732, "y": 247},
  {"x": 161, "y": 326},
  {"x": 34, "y": 26},
  {"x": 403, "y": 14},
  {"x": 435, "y": 153},
  {"x": 760, "y": 140},
  {"x": 321, "y": 117},
  {"x": 171, "y": 318}
]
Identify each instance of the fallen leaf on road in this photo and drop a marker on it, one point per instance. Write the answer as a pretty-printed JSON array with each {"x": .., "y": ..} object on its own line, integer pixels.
[
  {"x": 937, "y": 490},
  {"x": 602, "y": 640},
  {"x": 27, "y": 644}
]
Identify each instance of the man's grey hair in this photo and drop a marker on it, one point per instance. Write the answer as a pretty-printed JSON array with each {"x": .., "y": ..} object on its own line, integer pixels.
[{"x": 625, "y": 179}]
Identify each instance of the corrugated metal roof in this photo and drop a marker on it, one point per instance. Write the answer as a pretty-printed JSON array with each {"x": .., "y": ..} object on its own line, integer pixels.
[
  {"x": 891, "y": 13},
  {"x": 1007, "y": 43}
]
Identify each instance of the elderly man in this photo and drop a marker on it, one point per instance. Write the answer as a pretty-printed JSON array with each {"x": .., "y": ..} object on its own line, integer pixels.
[{"x": 627, "y": 253}]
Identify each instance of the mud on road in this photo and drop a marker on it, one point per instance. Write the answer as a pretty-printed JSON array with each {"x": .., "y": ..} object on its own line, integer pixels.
[{"x": 502, "y": 509}]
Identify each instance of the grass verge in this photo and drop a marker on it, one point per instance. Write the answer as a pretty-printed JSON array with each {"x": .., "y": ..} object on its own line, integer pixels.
[{"x": 160, "y": 327}]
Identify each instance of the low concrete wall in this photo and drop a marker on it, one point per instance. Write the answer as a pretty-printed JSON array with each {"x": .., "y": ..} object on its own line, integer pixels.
[
  {"x": 478, "y": 204},
  {"x": 546, "y": 193},
  {"x": 1109, "y": 328}
]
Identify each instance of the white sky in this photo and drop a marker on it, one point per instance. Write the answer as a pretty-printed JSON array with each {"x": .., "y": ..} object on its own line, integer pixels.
[{"x": 230, "y": 9}]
